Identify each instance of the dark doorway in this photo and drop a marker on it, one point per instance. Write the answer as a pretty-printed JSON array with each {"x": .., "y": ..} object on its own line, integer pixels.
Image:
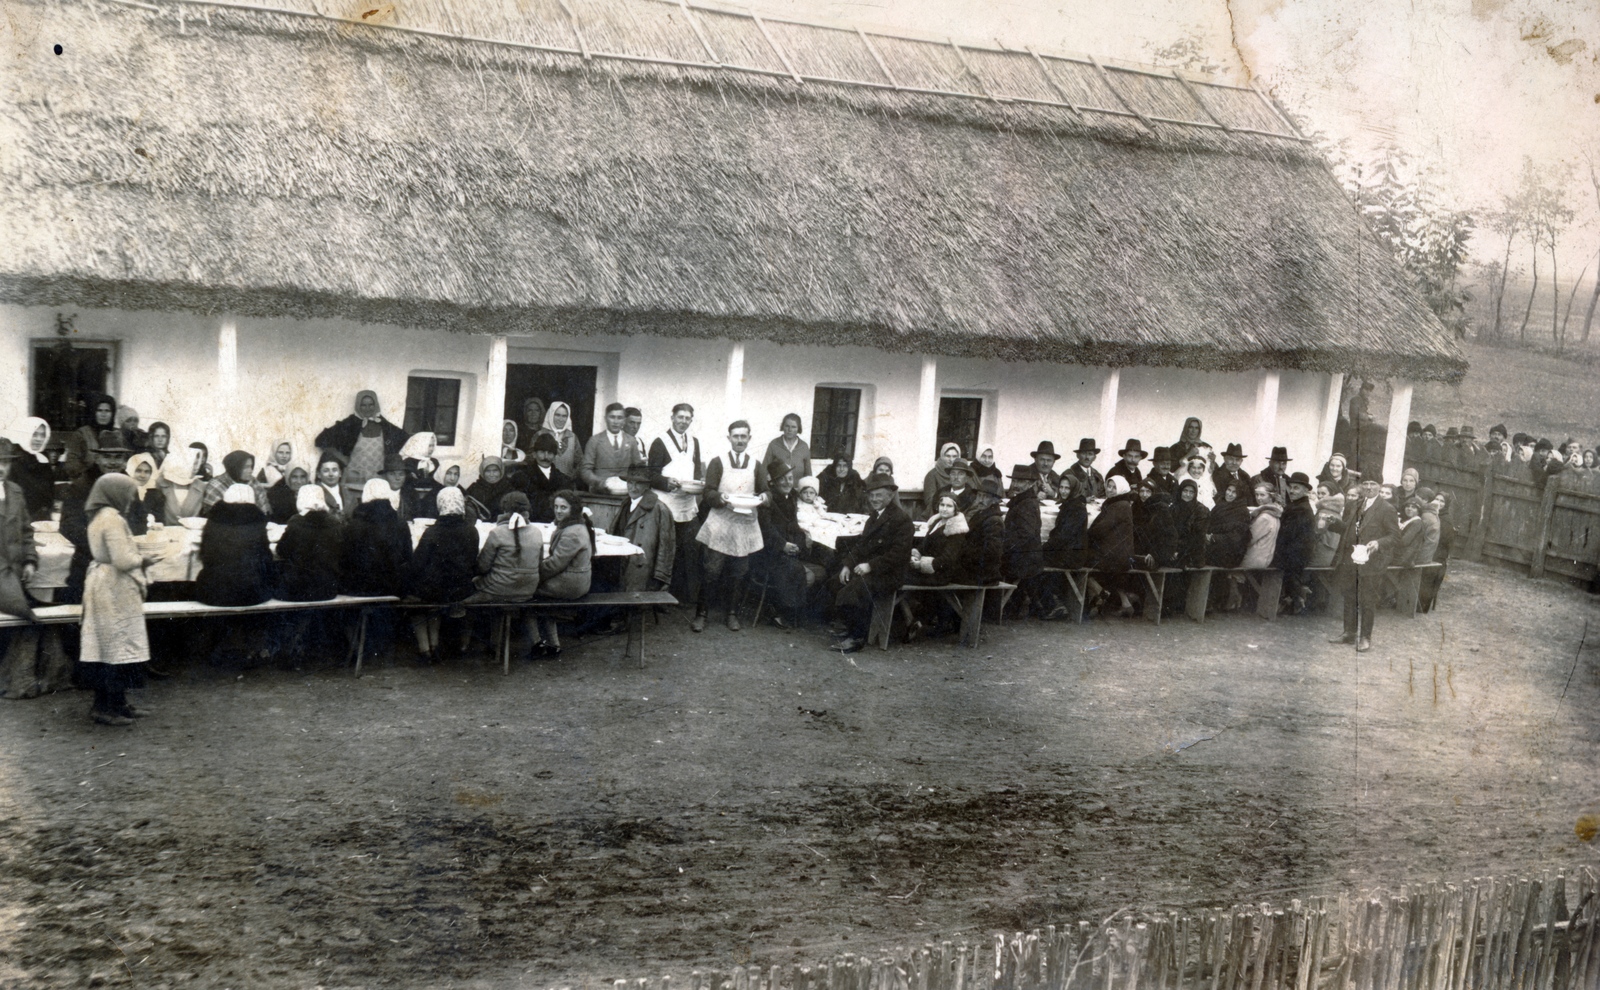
[
  {"x": 573, "y": 384},
  {"x": 67, "y": 379},
  {"x": 959, "y": 420}
]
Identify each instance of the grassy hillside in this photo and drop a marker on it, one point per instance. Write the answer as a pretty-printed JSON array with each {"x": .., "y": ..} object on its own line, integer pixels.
[{"x": 1545, "y": 395}]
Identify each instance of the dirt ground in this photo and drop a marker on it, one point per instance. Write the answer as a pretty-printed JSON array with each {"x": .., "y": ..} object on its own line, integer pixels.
[{"x": 754, "y": 797}]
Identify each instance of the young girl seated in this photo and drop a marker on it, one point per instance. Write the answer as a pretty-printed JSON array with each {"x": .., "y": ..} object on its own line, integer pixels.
[{"x": 566, "y": 572}]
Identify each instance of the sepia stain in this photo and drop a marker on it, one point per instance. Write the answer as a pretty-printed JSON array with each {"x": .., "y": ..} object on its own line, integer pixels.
[
  {"x": 477, "y": 799},
  {"x": 1587, "y": 828}
]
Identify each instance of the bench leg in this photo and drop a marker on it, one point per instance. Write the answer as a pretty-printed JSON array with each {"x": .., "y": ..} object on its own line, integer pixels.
[
  {"x": 1005, "y": 601},
  {"x": 361, "y": 640},
  {"x": 635, "y": 648},
  {"x": 882, "y": 619},
  {"x": 1080, "y": 590},
  {"x": 1410, "y": 589},
  {"x": 968, "y": 605},
  {"x": 1194, "y": 603},
  {"x": 505, "y": 641},
  {"x": 1157, "y": 583},
  {"x": 1269, "y": 588}
]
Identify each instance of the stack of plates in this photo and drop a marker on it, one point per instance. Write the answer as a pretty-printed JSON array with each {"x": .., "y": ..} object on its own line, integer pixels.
[
  {"x": 46, "y": 526},
  {"x": 616, "y": 486}
]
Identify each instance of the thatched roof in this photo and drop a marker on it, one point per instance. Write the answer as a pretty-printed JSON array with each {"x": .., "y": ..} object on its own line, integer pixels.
[{"x": 953, "y": 200}]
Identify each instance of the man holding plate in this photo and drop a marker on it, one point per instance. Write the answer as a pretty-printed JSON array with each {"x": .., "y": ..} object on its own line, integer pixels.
[
  {"x": 675, "y": 473},
  {"x": 729, "y": 533},
  {"x": 1371, "y": 531}
]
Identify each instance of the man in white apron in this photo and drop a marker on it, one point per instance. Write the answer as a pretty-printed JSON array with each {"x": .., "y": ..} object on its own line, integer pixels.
[
  {"x": 730, "y": 534},
  {"x": 675, "y": 459}
]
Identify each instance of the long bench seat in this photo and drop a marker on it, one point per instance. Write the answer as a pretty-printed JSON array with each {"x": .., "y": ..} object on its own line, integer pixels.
[{"x": 966, "y": 599}]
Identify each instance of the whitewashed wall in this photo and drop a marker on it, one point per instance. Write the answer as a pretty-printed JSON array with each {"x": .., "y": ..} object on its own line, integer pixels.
[{"x": 295, "y": 377}]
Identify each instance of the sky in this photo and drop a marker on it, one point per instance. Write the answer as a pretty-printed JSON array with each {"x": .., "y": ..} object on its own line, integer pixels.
[{"x": 1466, "y": 88}]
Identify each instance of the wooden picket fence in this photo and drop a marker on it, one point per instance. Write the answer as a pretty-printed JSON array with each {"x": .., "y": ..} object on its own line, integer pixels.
[
  {"x": 1488, "y": 934},
  {"x": 1503, "y": 515}
]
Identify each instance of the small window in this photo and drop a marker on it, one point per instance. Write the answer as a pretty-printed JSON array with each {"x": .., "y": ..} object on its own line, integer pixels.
[
  {"x": 959, "y": 421},
  {"x": 835, "y": 416},
  {"x": 68, "y": 376},
  {"x": 432, "y": 404}
]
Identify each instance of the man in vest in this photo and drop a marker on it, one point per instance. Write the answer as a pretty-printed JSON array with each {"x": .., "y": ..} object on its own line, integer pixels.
[{"x": 675, "y": 459}]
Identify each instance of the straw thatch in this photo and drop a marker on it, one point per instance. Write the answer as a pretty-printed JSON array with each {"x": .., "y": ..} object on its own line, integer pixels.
[{"x": 215, "y": 159}]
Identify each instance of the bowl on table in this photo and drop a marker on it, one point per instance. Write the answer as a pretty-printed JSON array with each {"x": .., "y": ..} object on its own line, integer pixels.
[
  {"x": 692, "y": 487},
  {"x": 616, "y": 486},
  {"x": 47, "y": 526},
  {"x": 192, "y": 522}
]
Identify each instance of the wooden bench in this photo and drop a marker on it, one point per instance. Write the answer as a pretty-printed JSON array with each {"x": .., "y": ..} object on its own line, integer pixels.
[
  {"x": 1267, "y": 582},
  {"x": 1407, "y": 582},
  {"x": 58, "y": 615},
  {"x": 635, "y": 601},
  {"x": 966, "y": 599},
  {"x": 1078, "y": 583}
]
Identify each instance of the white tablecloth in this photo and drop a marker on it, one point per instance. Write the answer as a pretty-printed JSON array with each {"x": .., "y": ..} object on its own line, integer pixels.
[{"x": 179, "y": 548}]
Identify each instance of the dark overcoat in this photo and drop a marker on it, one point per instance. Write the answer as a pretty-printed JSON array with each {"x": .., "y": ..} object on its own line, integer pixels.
[
  {"x": 375, "y": 551},
  {"x": 308, "y": 558},
  {"x": 885, "y": 547},
  {"x": 236, "y": 565}
]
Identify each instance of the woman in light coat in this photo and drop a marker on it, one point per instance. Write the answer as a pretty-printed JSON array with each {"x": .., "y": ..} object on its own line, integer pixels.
[
  {"x": 114, "y": 647},
  {"x": 566, "y": 572}
]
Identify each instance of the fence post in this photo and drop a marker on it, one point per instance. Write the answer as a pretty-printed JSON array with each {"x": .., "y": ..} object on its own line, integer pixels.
[
  {"x": 1485, "y": 493},
  {"x": 1547, "y": 508}
]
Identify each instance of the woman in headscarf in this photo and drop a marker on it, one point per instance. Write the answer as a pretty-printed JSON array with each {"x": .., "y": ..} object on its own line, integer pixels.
[
  {"x": 508, "y": 564},
  {"x": 182, "y": 492},
  {"x": 32, "y": 471},
  {"x": 1194, "y": 522},
  {"x": 984, "y": 466},
  {"x": 158, "y": 442},
  {"x": 841, "y": 488},
  {"x": 883, "y": 466},
  {"x": 1330, "y": 509},
  {"x": 448, "y": 475},
  {"x": 113, "y": 645},
  {"x": 558, "y": 426},
  {"x": 363, "y": 439},
  {"x": 330, "y": 482},
  {"x": 1155, "y": 526},
  {"x": 376, "y": 546},
  {"x": 1409, "y": 480},
  {"x": 1112, "y": 543},
  {"x": 939, "y": 478},
  {"x": 309, "y": 551},
  {"x": 510, "y": 451},
  {"x": 280, "y": 459},
  {"x": 81, "y": 443},
  {"x": 133, "y": 438},
  {"x": 281, "y": 496},
  {"x": 236, "y": 565},
  {"x": 1229, "y": 529},
  {"x": 238, "y": 468},
  {"x": 566, "y": 573},
  {"x": 1067, "y": 545},
  {"x": 441, "y": 568},
  {"x": 521, "y": 435},
  {"x": 150, "y": 501},
  {"x": 1265, "y": 517},
  {"x": 492, "y": 486},
  {"x": 419, "y": 494},
  {"x": 1188, "y": 443}
]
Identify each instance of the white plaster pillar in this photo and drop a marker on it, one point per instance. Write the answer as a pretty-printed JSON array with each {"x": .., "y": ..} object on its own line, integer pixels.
[
  {"x": 1330, "y": 419},
  {"x": 927, "y": 411},
  {"x": 486, "y": 435},
  {"x": 1394, "y": 446},
  {"x": 1107, "y": 439},
  {"x": 733, "y": 397},
  {"x": 227, "y": 384},
  {"x": 1266, "y": 415}
]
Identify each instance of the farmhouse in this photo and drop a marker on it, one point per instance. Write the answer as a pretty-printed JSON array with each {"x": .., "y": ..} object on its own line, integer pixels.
[{"x": 237, "y": 216}]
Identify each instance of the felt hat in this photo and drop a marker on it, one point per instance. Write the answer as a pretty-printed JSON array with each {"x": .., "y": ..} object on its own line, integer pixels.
[
  {"x": 775, "y": 470},
  {"x": 1451, "y": 432},
  {"x": 1426, "y": 494},
  {"x": 962, "y": 464},
  {"x": 991, "y": 486},
  {"x": 8, "y": 450},
  {"x": 1162, "y": 454},
  {"x": 1544, "y": 444},
  {"x": 876, "y": 481},
  {"x": 1499, "y": 428},
  {"x": 1300, "y": 478},
  {"x": 1374, "y": 476},
  {"x": 110, "y": 442},
  {"x": 1430, "y": 430},
  {"x": 1045, "y": 447},
  {"x": 1133, "y": 447},
  {"x": 1233, "y": 450},
  {"x": 545, "y": 441},
  {"x": 1280, "y": 454},
  {"x": 1086, "y": 446},
  {"x": 1467, "y": 433},
  {"x": 394, "y": 462},
  {"x": 640, "y": 473},
  {"x": 1415, "y": 426},
  {"x": 1024, "y": 472}
]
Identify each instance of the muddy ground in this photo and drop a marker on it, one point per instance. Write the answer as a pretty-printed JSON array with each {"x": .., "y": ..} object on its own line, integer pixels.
[{"x": 754, "y": 797}]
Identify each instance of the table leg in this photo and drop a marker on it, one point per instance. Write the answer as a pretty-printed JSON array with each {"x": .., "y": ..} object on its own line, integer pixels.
[
  {"x": 505, "y": 641},
  {"x": 1080, "y": 591},
  {"x": 635, "y": 648},
  {"x": 968, "y": 605},
  {"x": 361, "y": 640}
]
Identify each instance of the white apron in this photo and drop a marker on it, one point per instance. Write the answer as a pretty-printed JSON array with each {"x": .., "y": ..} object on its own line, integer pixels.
[
  {"x": 683, "y": 505},
  {"x": 725, "y": 530}
]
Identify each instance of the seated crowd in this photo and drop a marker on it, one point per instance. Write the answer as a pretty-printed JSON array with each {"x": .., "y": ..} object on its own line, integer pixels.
[{"x": 822, "y": 541}]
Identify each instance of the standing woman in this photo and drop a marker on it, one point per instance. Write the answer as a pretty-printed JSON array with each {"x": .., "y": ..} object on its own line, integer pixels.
[
  {"x": 160, "y": 439},
  {"x": 520, "y": 438},
  {"x": 32, "y": 470},
  {"x": 558, "y": 425},
  {"x": 789, "y": 448},
  {"x": 81, "y": 443},
  {"x": 1189, "y": 442},
  {"x": 363, "y": 439},
  {"x": 113, "y": 647},
  {"x": 938, "y": 479},
  {"x": 181, "y": 491},
  {"x": 565, "y": 574},
  {"x": 128, "y": 422}
]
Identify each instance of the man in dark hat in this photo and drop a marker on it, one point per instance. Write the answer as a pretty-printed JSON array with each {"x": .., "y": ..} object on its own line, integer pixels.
[
  {"x": 1044, "y": 462},
  {"x": 1024, "y": 550},
  {"x": 394, "y": 471},
  {"x": 1128, "y": 468},
  {"x": 19, "y": 557},
  {"x": 875, "y": 565},
  {"x": 1370, "y": 531},
  {"x": 986, "y": 545},
  {"x": 1545, "y": 461},
  {"x": 1089, "y": 481},
  {"x": 647, "y": 524},
  {"x": 1231, "y": 473},
  {"x": 1161, "y": 477},
  {"x": 1497, "y": 445},
  {"x": 960, "y": 487},
  {"x": 1297, "y": 538},
  {"x": 542, "y": 479},
  {"x": 1276, "y": 476}
]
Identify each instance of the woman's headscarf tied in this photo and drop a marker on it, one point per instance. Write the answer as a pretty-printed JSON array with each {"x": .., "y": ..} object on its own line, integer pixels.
[
  {"x": 133, "y": 465},
  {"x": 419, "y": 446},
  {"x": 309, "y": 499},
  {"x": 238, "y": 494},
  {"x": 376, "y": 418},
  {"x": 114, "y": 491},
  {"x": 883, "y": 462},
  {"x": 492, "y": 461},
  {"x": 550, "y": 418},
  {"x": 1116, "y": 485},
  {"x": 234, "y": 463},
  {"x": 272, "y": 472},
  {"x": 376, "y": 490},
  {"x": 452, "y": 502},
  {"x": 22, "y": 434},
  {"x": 125, "y": 413}
]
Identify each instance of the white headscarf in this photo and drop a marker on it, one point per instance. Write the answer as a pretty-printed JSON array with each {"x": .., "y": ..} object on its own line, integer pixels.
[
  {"x": 377, "y": 489},
  {"x": 452, "y": 502},
  {"x": 21, "y": 433},
  {"x": 419, "y": 445},
  {"x": 308, "y": 499},
  {"x": 238, "y": 494},
  {"x": 550, "y": 419},
  {"x": 134, "y": 462},
  {"x": 272, "y": 472},
  {"x": 443, "y": 469},
  {"x": 178, "y": 469},
  {"x": 1116, "y": 485}
]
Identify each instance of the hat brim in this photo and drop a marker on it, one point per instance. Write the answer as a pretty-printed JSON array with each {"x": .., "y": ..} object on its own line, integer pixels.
[
  {"x": 1087, "y": 450},
  {"x": 1130, "y": 450}
]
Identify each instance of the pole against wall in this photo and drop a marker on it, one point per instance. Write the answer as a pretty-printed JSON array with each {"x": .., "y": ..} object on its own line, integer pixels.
[
  {"x": 733, "y": 398},
  {"x": 227, "y": 379},
  {"x": 1267, "y": 412},
  {"x": 1108, "y": 408},
  {"x": 1394, "y": 445},
  {"x": 1330, "y": 419},
  {"x": 928, "y": 408},
  {"x": 492, "y": 404}
]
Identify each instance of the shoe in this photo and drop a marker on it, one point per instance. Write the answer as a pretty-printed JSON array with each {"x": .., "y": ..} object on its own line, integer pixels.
[
  {"x": 1058, "y": 613},
  {"x": 733, "y": 623},
  {"x": 913, "y": 632},
  {"x": 698, "y": 625},
  {"x": 110, "y": 718},
  {"x": 543, "y": 650},
  {"x": 134, "y": 711},
  {"x": 156, "y": 673},
  {"x": 779, "y": 621},
  {"x": 850, "y": 645},
  {"x": 1347, "y": 639},
  {"x": 1363, "y": 645}
]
